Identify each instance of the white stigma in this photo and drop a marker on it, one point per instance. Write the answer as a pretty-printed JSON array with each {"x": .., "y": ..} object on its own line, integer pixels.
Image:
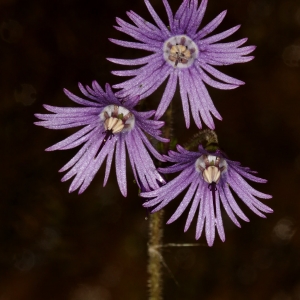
[
  {"x": 211, "y": 167},
  {"x": 117, "y": 119},
  {"x": 180, "y": 51}
]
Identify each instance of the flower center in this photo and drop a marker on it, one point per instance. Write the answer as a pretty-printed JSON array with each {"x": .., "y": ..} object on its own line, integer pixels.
[
  {"x": 180, "y": 51},
  {"x": 115, "y": 119},
  {"x": 211, "y": 168}
]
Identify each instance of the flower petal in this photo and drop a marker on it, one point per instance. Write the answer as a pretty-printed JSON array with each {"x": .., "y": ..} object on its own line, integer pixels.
[{"x": 121, "y": 165}]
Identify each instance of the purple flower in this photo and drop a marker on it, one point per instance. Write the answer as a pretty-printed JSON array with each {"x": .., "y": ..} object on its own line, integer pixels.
[
  {"x": 108, "y": 124},
  {"x": 209, "y": 177},
  {"x": 181, "y": 53}
]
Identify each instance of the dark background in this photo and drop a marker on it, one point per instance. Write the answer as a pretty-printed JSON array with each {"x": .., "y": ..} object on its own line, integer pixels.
[{"x": 56, "y": 245}]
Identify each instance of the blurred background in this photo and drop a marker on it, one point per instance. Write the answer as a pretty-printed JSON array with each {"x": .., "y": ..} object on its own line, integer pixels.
[{"x": 56, "y": 245}]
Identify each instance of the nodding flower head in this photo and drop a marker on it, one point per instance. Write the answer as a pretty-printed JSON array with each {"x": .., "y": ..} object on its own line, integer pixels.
[
  {"x": 209, "y": 177},
  {"x": 110, "y": 125}
]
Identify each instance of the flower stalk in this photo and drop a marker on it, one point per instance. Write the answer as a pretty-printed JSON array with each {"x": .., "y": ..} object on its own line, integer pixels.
[
  {"x": 155, "y": 281},
  {"x": 156, "y": 232}
]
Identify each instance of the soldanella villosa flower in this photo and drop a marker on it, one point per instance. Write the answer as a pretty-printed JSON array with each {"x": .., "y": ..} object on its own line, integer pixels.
[
  {"x": 110, "y": 125},
  {"x": 209, "y": 177},
  {"x": 184, "y": 53}
]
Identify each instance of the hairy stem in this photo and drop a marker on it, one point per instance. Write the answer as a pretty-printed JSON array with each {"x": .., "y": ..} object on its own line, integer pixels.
[
  {"x": 155, "y": 244},
  {"x": 155, "y": 256}
]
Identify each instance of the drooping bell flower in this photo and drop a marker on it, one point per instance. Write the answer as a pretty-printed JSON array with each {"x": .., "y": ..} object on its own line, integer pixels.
[{"x": 210, "y": 178}]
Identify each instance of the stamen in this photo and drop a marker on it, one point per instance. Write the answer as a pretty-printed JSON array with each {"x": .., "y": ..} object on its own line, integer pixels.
[
  {"x": 115, "y": 112},
  {"x": 211, "y": 174},
  {"x": 126, "y": 117},
  {"x": 116, "y": 119},
  {"x": 106, "y": 115},
  {"x": 114, "y": 124},
  {"x": 180, "y": 51},
  {"x": 211, "y": 167}
]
